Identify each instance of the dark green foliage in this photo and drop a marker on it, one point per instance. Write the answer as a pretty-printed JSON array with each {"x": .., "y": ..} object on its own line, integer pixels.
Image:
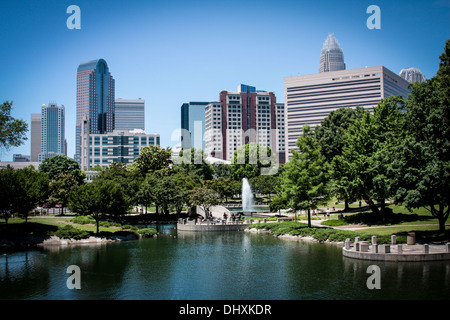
[
  {"x": 12, "y": 131},
  {"x": 69, "y": 232}
]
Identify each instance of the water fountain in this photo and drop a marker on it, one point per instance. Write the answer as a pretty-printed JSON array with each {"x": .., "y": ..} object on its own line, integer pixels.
[{"x": 247, "y": 196}]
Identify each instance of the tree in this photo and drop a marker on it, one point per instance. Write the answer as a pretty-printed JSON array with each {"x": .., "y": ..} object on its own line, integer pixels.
[
  {"x": 192, "y": 162},
  {"x": 251, "y": 160},
  {"x": 369, "y": 151},
  {"x": 60, "y": 189},
  {"x": 305, "y": 178},
  {"x": 151, "y": 159},
  {"x": 21, "y": 190},
  {"x": 12, "y": 131},
  {"x": 205, "y": 198},
  {"x": 99, "y": 199},
  {"x": 220, "y": 185},
  {"x": 59, "y": 164},
  {"x": 121, "y": 173},
  {"x": 330, "y": 135},
  {"x": 422, "y": 163}
]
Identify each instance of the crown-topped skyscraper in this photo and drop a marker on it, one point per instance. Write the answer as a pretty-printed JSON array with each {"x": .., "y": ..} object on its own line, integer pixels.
[{"x": 331, "y": 56}]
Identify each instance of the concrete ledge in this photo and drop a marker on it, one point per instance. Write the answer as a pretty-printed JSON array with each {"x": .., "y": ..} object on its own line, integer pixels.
[{"x": 397, "y": 255}]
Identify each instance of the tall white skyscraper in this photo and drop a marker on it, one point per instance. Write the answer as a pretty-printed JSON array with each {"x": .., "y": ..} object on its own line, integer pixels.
[
  {"x": 52, "y": 131},
  {"x": 331, "y": 56}
]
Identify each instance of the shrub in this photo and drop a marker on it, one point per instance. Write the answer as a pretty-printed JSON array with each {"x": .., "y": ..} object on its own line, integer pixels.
[
  {"x": 83, "y": 220},
  {"x": 334, "y": 223},
  {"x": 126, "y": 226},
  {"x": 69, "y": 232},
  {"x": 146, "y": 232}
]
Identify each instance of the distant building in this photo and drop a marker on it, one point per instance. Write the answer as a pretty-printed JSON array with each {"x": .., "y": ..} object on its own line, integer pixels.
[
  {"x": 95, "y": 99},
  {"x": 118, "y": 146},
  {"x": 21, "y": 158},
  {"x": 243, "y": 117},
  {"x": 193, "y": 125},
  {"x": 331, "y": 56},
  {"x": 52, "y": 131},
  {"x": 129, "y": 114},
  {"x": 35, "y": 136},
  {"x": 412, "y": 75},
  {"x": 310, "y": 98}
]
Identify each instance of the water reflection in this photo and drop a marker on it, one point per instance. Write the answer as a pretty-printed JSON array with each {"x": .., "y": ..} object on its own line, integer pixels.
[{"x": 214, "y": 265}]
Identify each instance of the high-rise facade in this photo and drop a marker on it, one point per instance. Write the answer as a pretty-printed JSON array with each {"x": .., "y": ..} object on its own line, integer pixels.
[
  {"x": 52, "y": 131},
  {"x": 95, "y": 99},
  {"x": 119, "y": 146},
  {"x": 331, "y": 56},
  {"x": 242, "y": 117},
  {"x": 193, "y": 125},
  {"x": 129, "y": 114},
  {"x": 310, "y": 98},
  {"x": 412, "y": 75},
  {"x": 35, "y": 136}
]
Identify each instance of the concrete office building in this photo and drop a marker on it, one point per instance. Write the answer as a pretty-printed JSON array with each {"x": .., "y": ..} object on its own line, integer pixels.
[
  {"x": 52, "y": 131},
  {"x": 118, "y": 146},
  {"x": 95, "y": 99},
  {"x": 242, "y": 117},
  {"x": 35, "y": 136},
  {"x": 129, "y": 114},
  {"x": 193, "y": 125},
  {"x": 310, "y": 98}
]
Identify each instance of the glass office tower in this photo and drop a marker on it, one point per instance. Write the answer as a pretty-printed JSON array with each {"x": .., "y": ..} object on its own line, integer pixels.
[
  {"x": 95, "y": 99},
  {"x": 52, "y": 131}
]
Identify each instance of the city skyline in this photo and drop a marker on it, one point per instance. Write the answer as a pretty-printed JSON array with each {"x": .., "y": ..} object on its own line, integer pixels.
[{"x": 168, "y": 60}]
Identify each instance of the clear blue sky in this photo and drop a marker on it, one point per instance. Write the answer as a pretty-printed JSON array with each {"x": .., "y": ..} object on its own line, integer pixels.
[{"x": 171, "y": 52}]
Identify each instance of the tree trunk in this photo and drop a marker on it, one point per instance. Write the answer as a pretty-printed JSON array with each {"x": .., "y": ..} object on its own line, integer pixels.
[
  {"x": 309, "y": 218},
  {"x": 372, "y": 206},
  {"x": 346, "y": 207}
]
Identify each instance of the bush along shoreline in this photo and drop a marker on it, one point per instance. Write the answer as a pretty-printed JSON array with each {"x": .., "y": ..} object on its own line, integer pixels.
[
  {"x": 35, "y": 235},
  {"x": 301, "y": 231}
]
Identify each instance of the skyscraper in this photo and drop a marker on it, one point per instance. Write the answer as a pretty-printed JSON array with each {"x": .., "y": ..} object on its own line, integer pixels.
[
  {"x": 129, "y": 114},
  {"x": 193, "y": 125},
  {"x": 35, "y": 136},
  {"x": 412, "y": 75},
  {"x": 242, "y": 117},
  {"x": 331, "y": 56},
  {"x": 95, "y": 99},
  {"x": 52, "y": 131}
]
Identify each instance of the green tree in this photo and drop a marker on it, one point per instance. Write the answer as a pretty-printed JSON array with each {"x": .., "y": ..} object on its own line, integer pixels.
[
  {"x": 205, "y": 198},
  {"x": 151, "y": 159},
  {"x": 330, "y": 135},
  {"x": 422, "y": 163},
  {"x": 12, "y": 131},
  {"x": 252, "y": 160},
  {"x": 369, "y": 152},
  {"x": 99, "y": 199},
  {"x": 60, "y": 189},
  {"x": 305, "y": 177},
  {"x": 192, "y": 162},
  {"x": 21, "y": 190},
  {"x": 60, "y": 164}
]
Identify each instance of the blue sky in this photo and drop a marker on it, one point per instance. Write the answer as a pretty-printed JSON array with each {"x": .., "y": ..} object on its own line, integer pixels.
[{"x": 171, "y": 52}]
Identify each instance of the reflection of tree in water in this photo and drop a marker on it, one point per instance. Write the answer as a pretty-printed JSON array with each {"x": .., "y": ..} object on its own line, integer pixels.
[
  {"x": 102, "y": 267},
  {"x": 22, "y": 275}
]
